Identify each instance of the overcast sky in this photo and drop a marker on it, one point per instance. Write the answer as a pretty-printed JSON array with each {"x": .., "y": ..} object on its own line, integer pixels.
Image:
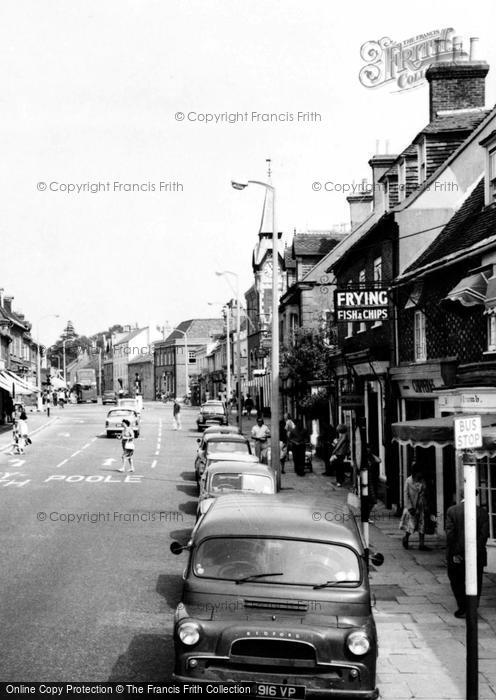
[{"x": 89, "y": 92}]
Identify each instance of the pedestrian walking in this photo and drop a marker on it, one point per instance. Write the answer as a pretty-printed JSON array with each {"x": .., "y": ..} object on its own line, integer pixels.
[
  {"x": 22, "y": 427},
  {"x": 54, "y": 397},
  {"x": 373, "y": 462},
  {"x": 283, "y": 444},
  {"x": 248, "y": 405},
  {"x": 415, "y": 512},
  {"x": 61, "y": 398},
  {"x": 176, "y": 416},
  {"x": 298, "y": 438},
  {"x": 14, "y": 446},
  {"x": 127, "y": 441},
  {"x": 455, "y": 553},
  {"x": 340, "y": 452},
  {"x": 260, "y": 434},
  {"x": 326, "y": 440}
]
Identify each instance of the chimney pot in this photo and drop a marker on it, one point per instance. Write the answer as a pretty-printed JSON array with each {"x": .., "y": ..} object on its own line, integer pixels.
[{"x": 474, "y": 45}]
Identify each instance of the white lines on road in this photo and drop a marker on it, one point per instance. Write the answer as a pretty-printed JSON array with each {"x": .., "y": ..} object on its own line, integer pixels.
[
  {"x": 62, "y": 463},
  {"x": 154, "y": 464},
  {"x": 85, "y": 446},
  {"x": 74, "y": 454}
]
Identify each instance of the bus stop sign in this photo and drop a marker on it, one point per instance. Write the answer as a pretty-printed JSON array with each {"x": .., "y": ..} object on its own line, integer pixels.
[{"x": 468, "y": 432}]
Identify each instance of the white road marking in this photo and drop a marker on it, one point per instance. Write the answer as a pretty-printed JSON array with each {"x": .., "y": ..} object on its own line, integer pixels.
[
  {"x": 16, "y": 462},
  {"x": 85, "y": 446},
  {"x": 154, "y": 464},
  {"x": 64, "y": 434},
  {"x": 61, "y": 463},
  {"x": 75, "y": 453},
  {"x": 108, "y": 462},
  {"x": 157, "y": 452}
]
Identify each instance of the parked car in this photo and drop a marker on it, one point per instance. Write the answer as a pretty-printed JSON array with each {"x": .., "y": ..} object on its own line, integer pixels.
[
  {"x": 227, "y": 476},
  {"x": 231, "y": 444},
  {"x": 275, "y": 597},
  {"x": 113, "y": 424},
  {"x": 109, "y": 397},
  {"x": 211, "y": 413}
]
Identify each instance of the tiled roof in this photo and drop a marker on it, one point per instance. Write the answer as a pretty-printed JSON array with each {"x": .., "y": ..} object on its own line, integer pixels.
[
  {"x": 471, "y": 224},
  {"x": 315, "y": 243},
  {"x": 197, "y": 328},
  {"x": 463, "y": 120},
  {"x": 140, "y": 358}
]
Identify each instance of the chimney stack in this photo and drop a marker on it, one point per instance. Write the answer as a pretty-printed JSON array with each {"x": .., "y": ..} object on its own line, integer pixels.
[
  {"x": 380, "y": 164},
  {"x": 457, "y": 83},
  {"x": 360, "y": 207}
]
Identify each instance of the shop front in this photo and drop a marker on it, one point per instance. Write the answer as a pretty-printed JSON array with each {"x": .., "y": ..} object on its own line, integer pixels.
[{"x": 438, "y": 434}]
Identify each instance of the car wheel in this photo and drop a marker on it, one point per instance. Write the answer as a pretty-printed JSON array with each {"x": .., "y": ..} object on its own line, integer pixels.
[
  {"x": 136, "y": 433},
  {"x": 109, "y": 433}
]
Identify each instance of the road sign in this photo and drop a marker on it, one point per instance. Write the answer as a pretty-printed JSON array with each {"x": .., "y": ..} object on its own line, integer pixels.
[{"x": 468, "y": 432}]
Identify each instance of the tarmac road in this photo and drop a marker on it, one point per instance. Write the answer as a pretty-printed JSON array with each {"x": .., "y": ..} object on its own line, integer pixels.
[{"x": 88, "y": 583}]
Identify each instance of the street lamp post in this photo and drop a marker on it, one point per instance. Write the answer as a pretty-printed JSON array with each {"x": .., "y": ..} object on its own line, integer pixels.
[
  {"x": 38, "y": 356},
  {"x": 238, "y": 344},
  {"x": 274, "y": 403},
  {"x": 64, "y": 362}
]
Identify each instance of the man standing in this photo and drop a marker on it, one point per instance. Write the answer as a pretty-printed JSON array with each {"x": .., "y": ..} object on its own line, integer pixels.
[
  {"x": 455, "y": 539},
  {"x": 260, "y": 434}
]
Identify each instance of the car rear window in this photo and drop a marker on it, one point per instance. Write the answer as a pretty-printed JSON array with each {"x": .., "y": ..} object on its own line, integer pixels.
[
  {"x": 121, "y": 412},
  {"x": 218, "y": 446},
  {"x": 297, "y": 562},
  {"x": 223, "y": 483}
]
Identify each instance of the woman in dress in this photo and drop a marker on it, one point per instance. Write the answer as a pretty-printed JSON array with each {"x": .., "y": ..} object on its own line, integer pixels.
[
  {"x": 127, "y": 439},
  {"x": 415, "y": 511}
]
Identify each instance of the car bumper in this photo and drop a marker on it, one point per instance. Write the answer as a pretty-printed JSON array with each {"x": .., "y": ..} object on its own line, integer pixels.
[
  {"x": 333, "y": 680},
  {"x": 311, "y": 693}
]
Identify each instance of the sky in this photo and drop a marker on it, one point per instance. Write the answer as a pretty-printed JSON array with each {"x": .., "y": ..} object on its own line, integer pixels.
[{"x": 91, "y": 93}]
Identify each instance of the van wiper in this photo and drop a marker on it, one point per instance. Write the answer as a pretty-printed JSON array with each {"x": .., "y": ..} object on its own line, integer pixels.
[
  {"x": 252, "y": 576},
  {"x": 330, "y": 584}
]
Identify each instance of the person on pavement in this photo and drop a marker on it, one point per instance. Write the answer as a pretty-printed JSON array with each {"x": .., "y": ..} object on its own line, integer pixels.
[
  {"x": 248, "y": 405},
  {"x": 260, "y": 434},
  {"x": 298, "y": 438},
  {"x": 339, "y": 452},
  {"x": 455, "y": 553},
  {"x": 415, "y": 510},
  {"x": 127, "y": 440},
  {"x": 176, "y": 416}
]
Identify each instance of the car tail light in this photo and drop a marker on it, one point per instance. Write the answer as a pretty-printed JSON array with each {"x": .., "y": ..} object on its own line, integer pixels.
[
  {"x": 358, "y": 643},
  {"x": 189, "y": 633}
]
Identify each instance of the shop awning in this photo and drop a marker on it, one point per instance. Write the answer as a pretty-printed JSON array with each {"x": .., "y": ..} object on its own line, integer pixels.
[
  {"x": 17, "y": 385},
  {"x": 440, "y": 432},
  {"x": 470, "y": 291},
  {"x": 5, "y": 382}
]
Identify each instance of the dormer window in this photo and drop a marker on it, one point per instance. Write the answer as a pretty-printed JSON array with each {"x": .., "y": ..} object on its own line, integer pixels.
[
  {"x": 422, "y": 162},
  {"x": 489, "y": 144},
  {"x": 492, "y": 175}
]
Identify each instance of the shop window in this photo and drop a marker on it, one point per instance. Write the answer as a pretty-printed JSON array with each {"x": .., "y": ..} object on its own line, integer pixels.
[
  {"x": 192, "y": 357},
  {"x": 420, "y": 349},
  {"x": 491, "y": 333},
  {"x": 486, "y": 469}
]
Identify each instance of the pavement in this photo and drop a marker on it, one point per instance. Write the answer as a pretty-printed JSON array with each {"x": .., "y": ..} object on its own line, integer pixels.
[
  {"x": 421, "y": 643},
  {"x": 36, "y": 423}
]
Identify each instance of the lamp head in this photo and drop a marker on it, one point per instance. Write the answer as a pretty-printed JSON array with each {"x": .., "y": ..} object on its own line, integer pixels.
[{"x": 239, "y": 185}]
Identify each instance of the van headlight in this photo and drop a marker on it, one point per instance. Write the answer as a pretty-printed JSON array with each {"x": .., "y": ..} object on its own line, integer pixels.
[
  {"x": 358, "y": 643},
  {"x": 189, "y": 632}
]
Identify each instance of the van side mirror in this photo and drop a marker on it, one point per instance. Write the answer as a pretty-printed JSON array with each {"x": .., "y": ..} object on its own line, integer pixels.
[{"x": 377, "y": 559}]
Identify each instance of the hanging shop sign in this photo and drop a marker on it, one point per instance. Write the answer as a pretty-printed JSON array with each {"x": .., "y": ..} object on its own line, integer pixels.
[{"x": 361, "y": 305}]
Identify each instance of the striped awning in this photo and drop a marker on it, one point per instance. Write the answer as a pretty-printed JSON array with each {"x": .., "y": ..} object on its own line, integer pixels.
[
  {"x": 440, "y": 432},
  {"x": 16, "y": 385}
]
